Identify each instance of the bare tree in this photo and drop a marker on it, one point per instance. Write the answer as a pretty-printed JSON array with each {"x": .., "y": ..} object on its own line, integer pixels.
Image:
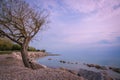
[{"x": 20, "y": 23}]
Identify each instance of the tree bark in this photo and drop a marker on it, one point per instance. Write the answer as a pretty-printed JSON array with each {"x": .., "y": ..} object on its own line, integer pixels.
[{"x": 24, "y": 55}]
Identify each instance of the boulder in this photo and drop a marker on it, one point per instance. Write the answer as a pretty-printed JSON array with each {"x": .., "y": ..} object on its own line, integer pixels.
[{"x": 90, "y": 75}]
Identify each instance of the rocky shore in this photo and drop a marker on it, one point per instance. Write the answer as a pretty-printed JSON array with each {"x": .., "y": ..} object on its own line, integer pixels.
[
  {"x": 92, "y": 71},
  {"x": 12, "y": 68},
  {"x": 30, "y": 54}
]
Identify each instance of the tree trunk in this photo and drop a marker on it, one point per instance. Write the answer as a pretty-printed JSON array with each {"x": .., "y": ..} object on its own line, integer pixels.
[{"x": 24, "y": 55}]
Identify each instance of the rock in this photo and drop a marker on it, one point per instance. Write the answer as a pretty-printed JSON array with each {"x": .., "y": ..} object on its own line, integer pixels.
[
  {"x": 97, "y": 66},
  {"x": 115, "y": 69},
  {"x": 30, "y": 54},
  {"x": 36, "y": 66},
  {"x": 107, "y": 78},
  {"x": 17, "y": 55},
  {"x": 90, "y": 75},
  {"x": 90, "y": 65},
  {"x": 76, "y": 63},
  {"x": 68, "y": 70},
  {"x": 49, "y": 59},
  {"x": 61, "y": 61}
]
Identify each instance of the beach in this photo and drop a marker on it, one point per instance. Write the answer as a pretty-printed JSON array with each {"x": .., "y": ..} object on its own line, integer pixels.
[{"x": 12, "y": 68}]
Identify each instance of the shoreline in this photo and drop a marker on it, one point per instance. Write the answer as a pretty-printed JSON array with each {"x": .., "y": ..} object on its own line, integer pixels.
[
  {"x": 14, "y": 60},
  {"x": 111, "y": 72},
  {"x": 12, "y": 68}
]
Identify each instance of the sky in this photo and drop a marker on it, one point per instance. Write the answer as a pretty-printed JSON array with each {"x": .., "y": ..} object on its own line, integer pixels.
[{"x": 79, "y": 24}]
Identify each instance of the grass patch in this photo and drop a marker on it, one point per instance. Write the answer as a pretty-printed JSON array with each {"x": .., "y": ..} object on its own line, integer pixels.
[{"x": 5, "y": 52}]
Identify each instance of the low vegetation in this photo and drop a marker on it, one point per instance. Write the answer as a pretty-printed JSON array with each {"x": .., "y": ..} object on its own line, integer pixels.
[{"x": 7, "y": 46}]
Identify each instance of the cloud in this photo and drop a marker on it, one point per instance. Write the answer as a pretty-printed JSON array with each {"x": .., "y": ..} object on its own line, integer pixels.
[
  {"x": 85, "y": 6},
  {"x": 81, "y": 23},
  {"x": 96, "y": 26},
  {"x": 104, "y": 42},
  {"x": 88, "y": 6}
]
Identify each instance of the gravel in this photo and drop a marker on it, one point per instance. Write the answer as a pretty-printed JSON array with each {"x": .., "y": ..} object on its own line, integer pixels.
[{"x": 12, "y": 68}]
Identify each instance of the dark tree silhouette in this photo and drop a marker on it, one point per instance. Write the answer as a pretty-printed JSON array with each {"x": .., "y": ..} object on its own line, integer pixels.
[{"x": 20, "y": 23}]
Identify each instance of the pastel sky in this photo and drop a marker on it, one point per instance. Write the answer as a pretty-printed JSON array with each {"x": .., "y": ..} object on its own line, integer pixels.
[{"x": 76, "y": 24}]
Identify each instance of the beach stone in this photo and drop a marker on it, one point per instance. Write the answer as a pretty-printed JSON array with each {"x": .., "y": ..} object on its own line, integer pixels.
[
  {"x": 97, "y": 66},
  {"x": 115, "y": 69},
  {"x": 107, "y": 78},
  {"x": 90, "y": 75},
  {"x": 68, "y": 70},
  {"x": 49, "y": 59},
  {"x": 30, "y": 54},
  {"x": 36, "y": 65},
  {"x": 76, "y": 63},
  {"x": 61, "y": 61}
]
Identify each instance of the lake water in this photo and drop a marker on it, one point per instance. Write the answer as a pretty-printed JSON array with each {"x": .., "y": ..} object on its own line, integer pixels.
[{"x": 104, "y": 58}]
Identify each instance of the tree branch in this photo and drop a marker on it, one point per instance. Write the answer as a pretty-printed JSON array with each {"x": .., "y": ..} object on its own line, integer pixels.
[{"x": 3, "y": 33}]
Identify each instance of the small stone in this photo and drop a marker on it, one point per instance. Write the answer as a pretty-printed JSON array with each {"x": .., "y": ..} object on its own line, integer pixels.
[
  {"x": 76, "y": 63},
  {"x": 61, "y": 61},
  {"x": 49, "y": 59}
]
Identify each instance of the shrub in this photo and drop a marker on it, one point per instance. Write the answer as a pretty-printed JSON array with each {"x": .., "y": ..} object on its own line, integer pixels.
[
  {"x": 8, "y": 45},
  {"x": 16, "y": 47},
  {"x": 31, "y": 48},
  {"x": 5, "y": 44},
  {"x": 43, "y": 50}
]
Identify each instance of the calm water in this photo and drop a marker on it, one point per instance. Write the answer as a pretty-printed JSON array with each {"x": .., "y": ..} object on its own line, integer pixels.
[{"x": 105, "y": 58}]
